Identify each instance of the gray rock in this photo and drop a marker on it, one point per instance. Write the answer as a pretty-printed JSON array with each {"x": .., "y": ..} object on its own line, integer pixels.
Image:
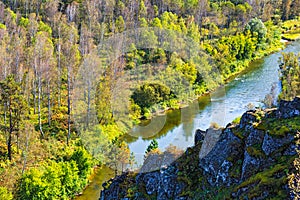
[
  {"x": 151, "y": 182},
  {"x": 255, "y": 137},
  {"x": 220, "y": 151},
  {"x": 211, "y": 138},
  {"x": 247, "y": 119},
  {"x": 291, "y": 150},
  {"x": 250, "y": 166},
  {"x": 199, "y": 136},
  {"x": 223, "y": 173},
  {"x": 270, "y": 144},
  {"x": 215, "y": 164},
  {"x": 114, "y": 188},
  {"x": 162, "y": 183},
  {"x": 289, "y": 109}
]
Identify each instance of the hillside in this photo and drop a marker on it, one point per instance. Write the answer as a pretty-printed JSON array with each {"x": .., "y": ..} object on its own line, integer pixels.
[
  {"x": 253, "y": 159},
  {"x": 68, "y": 66}
]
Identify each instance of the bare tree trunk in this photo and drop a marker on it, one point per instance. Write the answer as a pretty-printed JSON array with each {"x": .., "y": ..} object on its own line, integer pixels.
[
  {"x": 5, "y": 121},
  {"x": 10, "y": 133},
  {"x": 59, "y": 68},
  {"x": 69, "y": 107},
  {"x": 34, "y": 88},
  {"x": 26, "y": 8},
  {"x": 25, "y": 152},
  {"x": 49, "y": 102},
  {"x": 39, "y": 106},
  {"x": 88, "y": 104}
]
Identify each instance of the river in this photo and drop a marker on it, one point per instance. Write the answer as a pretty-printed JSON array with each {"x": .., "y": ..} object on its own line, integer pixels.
[{"x": 222, "y": 106}]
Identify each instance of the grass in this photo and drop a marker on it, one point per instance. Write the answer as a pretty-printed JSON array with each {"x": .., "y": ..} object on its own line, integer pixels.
[
  {"x": 261, "y": 179},
  {"x": 280, "y": 127},
  {"x": 237, "y": 120},
  {"x": 271, "y": 180},
  {"x": 256, "y": 151}
]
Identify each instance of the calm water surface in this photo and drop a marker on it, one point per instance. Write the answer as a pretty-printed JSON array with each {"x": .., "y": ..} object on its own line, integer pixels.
[{"x": 223, "y": 106}]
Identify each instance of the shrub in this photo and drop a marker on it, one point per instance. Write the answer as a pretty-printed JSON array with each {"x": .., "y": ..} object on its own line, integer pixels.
[{"x": 5, "y": 194}]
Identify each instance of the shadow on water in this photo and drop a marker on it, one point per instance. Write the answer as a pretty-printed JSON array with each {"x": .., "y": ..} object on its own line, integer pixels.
[{"x": 92, "y": 191}]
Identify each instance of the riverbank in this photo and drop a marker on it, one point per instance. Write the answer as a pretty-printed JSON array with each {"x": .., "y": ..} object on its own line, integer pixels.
[
  {"x": 249, "y": 88},
  {"x": 243, "y": 68},
  {"x": 291, "y": 30},
  {"x": 252, "y": 159},
  {"x": 291, "y": 36},
  {"x": 232, "y": 77},
  {"x": 92, "y": 190}
]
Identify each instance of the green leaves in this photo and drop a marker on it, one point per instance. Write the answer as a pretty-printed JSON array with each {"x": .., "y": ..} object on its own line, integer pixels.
[
  {"x": 290, "y": 76},
  {"x": 152, "y": 146},
  {"x": 149, "y": 94},
  {"x": 257, "y": 29},
  {"x": 56, "y": 180},
  {"x": 5, "y": 194}
]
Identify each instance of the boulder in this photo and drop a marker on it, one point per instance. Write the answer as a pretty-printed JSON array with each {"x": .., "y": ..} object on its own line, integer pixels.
[
  {"x": 162, "y": 183},
  {"x": 255, "y": 137},
  {"x": 199, "y": 136},
  {"x": 211, "y": 138},
  {"x": 271, "y": 144},
  {"x": 227, "y": 157},
  {"x": 251, "y": 165},
  {"x": 217, "y": 162},
  {"x": 289, "y": 109},
  {"x": 247, "y": 119}
]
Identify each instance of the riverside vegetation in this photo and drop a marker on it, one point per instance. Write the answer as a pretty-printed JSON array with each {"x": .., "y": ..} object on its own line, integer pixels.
[
  {"x": 255, "y": 157},
  {"x": 43, "y": 45}
]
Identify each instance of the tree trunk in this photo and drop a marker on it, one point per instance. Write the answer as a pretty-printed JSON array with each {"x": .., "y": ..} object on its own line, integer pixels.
[
  {"x": 10, "y": 132},
  {"x": 59, "y": 68},
  {"x": 49, "y": 103},
  {"x": 39, "y": 106},
  {"x": 69, "y": 107},
  {"x": 88, "y": 104},
  {"x": 5, "y": 120},
  {"x": 25, "y": 152}
]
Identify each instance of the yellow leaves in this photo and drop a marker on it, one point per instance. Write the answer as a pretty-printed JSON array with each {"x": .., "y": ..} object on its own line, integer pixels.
[
  {"x": 45, "y": 28},
  {"x": 124, "y": 153},
  {"x": 2, "y": 26}
]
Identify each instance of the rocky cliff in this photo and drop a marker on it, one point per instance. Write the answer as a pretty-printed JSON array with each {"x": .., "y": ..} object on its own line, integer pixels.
[{"x": 250, "y": 159}]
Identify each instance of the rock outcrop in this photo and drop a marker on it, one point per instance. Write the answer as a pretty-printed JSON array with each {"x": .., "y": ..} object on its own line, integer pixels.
[
  {"x": 251, "y": 158},
  {"x": 217, "y": 162},
  {"x": 289, "y": 109}
]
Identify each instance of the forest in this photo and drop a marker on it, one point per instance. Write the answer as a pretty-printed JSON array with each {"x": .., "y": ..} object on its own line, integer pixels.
[{"x": 52, "y": 134}]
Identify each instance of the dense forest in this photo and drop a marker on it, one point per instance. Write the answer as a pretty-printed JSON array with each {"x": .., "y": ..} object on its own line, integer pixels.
[{"x": 50, "y": 142}]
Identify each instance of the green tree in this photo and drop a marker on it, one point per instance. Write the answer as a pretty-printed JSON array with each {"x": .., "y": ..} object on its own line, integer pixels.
[
  {"x": 14, "y": 105},
  {"x": 118, "y": 155},
  {"x": 257, "y": 29},
  {"x": 152, "y": 146},
  {"x": 149, "y": 94},
  {"x": 290, "y": 76}
]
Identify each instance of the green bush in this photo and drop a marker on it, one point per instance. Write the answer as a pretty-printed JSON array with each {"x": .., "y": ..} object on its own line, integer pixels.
[
  {"x": 84, "y": 162},
  {"x": 149, "y": 94},
  {"x": 53, "y": 181},
  {"x": 5, "y": 194}
]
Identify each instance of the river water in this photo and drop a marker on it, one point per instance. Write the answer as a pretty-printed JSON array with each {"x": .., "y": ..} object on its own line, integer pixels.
[{"x": 222, "y": 106}]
